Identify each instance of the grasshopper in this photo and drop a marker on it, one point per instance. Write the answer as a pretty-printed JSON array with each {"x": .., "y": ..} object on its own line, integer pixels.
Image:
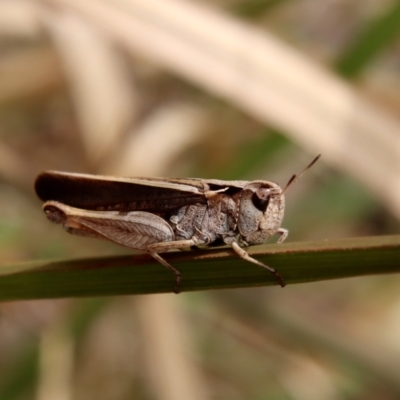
[{"x": 161, "y": 214}]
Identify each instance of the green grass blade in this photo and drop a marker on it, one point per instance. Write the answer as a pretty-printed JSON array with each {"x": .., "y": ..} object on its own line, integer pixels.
[{"x": 213, "y": 269}]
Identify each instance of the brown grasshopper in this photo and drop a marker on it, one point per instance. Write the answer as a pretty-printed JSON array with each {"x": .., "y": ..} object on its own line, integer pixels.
[{"x": 160, "y": 214}]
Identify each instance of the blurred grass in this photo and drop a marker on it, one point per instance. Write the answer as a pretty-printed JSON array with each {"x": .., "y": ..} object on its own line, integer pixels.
[
  {"x": 359, "y": 362},
  {"x": 254, "y": 154},
  {"x": 336, "y": 204},
  {"x": 254, "y": 8},
  {"x": 375, "y": 37},
  {"x": 19, "y": 379}
]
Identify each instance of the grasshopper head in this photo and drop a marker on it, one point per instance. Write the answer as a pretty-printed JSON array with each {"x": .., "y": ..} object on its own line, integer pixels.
[
  {"x": 261, "y": 208},
  {"x": 261, "y": 211}
]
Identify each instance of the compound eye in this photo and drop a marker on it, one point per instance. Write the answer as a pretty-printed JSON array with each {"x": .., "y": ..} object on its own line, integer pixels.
[{"x": 260, "y": 200}]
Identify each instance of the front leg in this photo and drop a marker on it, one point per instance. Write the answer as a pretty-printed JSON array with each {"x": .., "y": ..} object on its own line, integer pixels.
[
  {"x": 246, "y": 256},
  {"x": 283, "y": 233}
]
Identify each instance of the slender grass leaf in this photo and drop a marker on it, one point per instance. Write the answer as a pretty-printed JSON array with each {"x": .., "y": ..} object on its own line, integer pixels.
[{"x": 201, "y": 270}]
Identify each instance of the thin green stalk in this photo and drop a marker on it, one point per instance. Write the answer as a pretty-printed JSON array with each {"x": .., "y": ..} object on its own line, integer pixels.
[{"x": 201, "y": 270}]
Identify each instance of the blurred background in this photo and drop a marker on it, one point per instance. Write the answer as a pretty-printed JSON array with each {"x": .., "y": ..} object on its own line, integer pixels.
[{"x": 229, "y": 89}]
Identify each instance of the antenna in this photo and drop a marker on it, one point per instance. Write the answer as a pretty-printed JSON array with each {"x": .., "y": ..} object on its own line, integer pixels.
[{"x": 295, "y": 177}]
